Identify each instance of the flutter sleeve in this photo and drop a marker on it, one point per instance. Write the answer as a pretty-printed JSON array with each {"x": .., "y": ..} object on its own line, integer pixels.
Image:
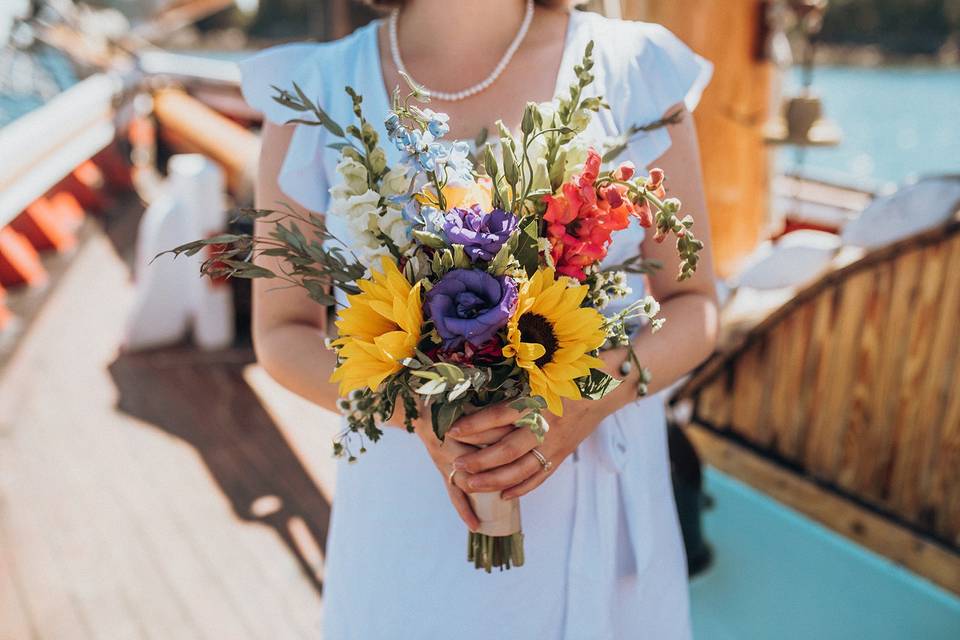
[
  {"x": 303, "y": 175},
  {"x": 662, "y": 72}
]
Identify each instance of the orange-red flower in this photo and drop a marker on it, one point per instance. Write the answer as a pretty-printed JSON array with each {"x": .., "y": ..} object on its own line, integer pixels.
[{"x": 581, "y": 219}]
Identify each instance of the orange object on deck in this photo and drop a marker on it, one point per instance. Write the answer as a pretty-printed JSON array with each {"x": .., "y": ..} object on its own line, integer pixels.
[
  {"x": 19, "y": 262},
  {"x": 67, "y": 207},
  {"x": 47, "y": 227},
  {"x": 114, "y": 167},
  {"x": 86, "y": 183}
]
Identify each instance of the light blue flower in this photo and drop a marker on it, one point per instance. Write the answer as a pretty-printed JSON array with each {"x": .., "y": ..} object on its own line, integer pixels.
[
  {"x": 437, "y": 123},
  {"x": 432, "y": 220},
  {"x": 392, "y": 123}
]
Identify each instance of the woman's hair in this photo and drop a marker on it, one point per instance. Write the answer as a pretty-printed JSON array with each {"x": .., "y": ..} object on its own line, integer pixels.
[{"x": 392, "y": 4}]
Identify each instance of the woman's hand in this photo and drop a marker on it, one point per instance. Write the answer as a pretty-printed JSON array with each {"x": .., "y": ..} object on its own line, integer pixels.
[{"x": 508, "y": 465}]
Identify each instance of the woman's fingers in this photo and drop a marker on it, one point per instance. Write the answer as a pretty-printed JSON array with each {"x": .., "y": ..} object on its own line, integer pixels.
[
  {"x": 509, "y": 448},
  {"x": 506, "y": 476},
  {"x": 525, "y": 487},
  {"x": 489, "y": 436},
  {"x": 462, "y": 504},
  {"x": 494, "y": 416}
]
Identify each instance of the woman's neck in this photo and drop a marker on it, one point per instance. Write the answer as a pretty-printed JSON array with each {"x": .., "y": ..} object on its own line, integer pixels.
[{"x": 445, "y": 29}]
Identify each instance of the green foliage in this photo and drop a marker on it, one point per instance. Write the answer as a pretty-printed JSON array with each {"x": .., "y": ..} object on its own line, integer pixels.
[{"x": 904, "y": 27}]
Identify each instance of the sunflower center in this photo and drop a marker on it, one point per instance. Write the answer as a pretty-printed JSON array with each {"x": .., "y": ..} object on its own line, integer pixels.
[{"x": 535, "y": 328}]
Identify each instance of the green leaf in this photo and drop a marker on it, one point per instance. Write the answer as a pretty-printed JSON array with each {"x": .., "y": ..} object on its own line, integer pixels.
[
  {"x": 429, "y": 375},
  {"x": 500, "y": 261},
  {"x": 443, "y": 415},
  {"x": 322, "y": 115},
  {"x": 527, "y": 403},
  {"x": 451, "y": 372},
  {"x": 528, "y": 251},
  {"x": 536, "y": 423},
  {"x": 597, "y": 384},
  {"x": 431, "y": 240}
]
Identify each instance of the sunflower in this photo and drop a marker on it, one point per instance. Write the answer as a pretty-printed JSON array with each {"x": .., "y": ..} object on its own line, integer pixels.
[
  {"x": 379, "y": 329},
  {"x": 552, "y": 336}
]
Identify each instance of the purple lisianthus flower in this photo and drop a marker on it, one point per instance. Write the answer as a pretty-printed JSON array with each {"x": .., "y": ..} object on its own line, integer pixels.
[
  {"x": 470, "y": 305},
  {"x": 481, "y": 234}
]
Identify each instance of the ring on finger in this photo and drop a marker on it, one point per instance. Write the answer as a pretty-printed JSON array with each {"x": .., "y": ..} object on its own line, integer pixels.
[
  {"x": 453, "y": 472},
  {"x": 546, "y": 464}
]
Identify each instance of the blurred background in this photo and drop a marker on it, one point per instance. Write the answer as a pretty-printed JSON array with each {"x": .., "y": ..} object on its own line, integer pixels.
[{"x": 155, "y": 483}]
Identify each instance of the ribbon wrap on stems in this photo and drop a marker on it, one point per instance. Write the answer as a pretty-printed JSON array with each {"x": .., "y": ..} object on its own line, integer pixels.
[{"x": 498, "y": 541}]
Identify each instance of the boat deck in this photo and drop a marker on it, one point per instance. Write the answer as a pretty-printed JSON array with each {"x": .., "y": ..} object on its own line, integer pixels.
[
  {"x": 178, "y": 494},
  {"x": 147, "y": 495}
]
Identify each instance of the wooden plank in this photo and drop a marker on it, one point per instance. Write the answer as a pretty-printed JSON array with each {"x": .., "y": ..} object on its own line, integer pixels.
[
  {"x": 789, "y": 440},
  {"x": 912, "y": 431},
  {"x": 715, "y": 401},
  {"x": 818, "y": 433},
  {"x": 153, "y": 505},
  {"x": 930, "y": 560},
  {"x": 940, "y": 380},
  {"x": 814, "y": 359},
  {"x": 873, "y": 470},
  {"x": 945, "y": 492},
  {"x": 785, "y": 373},
  {"x": 830, "y": 421},
  {"x": 750, "y": 393},
  {"x": 853, "y": 449}
]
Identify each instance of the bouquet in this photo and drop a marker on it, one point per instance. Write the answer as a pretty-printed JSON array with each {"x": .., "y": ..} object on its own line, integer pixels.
[{"x": 469, "y": 278}]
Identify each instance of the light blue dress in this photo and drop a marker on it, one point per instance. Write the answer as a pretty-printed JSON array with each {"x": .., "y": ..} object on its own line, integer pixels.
[{"x": 604, "y": 556}]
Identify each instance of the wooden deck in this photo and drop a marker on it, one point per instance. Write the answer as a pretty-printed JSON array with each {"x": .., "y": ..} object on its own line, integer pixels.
[{"x": 151, "y": 495}]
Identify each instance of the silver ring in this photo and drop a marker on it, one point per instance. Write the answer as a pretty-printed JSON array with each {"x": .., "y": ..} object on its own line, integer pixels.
[
  {"x": 452, "y": 473},
  {"x": 546, "y": 464}
]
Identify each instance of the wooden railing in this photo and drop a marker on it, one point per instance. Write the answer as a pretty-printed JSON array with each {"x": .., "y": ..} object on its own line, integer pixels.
[{"x": 853, "y": 384}]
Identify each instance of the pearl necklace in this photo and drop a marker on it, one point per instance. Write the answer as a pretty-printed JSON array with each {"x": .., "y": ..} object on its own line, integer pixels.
[{"x": 480, "y": 86}]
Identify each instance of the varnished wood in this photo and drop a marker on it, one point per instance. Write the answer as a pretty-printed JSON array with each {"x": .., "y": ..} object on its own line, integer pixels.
[
  {"x": 146, "y": 495},
  {"x": 731, "y": 115},
  {"x": 858, "y": 374},
  {"x": 922, "y": 556}
]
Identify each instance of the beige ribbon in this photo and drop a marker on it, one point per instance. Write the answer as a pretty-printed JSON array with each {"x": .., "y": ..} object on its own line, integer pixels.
[{"x": 498, "y": 517}]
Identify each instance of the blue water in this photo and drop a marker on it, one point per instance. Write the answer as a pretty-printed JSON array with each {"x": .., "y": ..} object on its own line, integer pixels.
[
  {"x": 897, "y": 123},
  {"x": 780, "y": 576}
]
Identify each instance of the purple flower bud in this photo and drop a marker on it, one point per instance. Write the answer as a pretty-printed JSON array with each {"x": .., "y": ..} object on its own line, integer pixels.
[
  {"x": 471, "y": 305},
  {"x": 481, "y": 234}
]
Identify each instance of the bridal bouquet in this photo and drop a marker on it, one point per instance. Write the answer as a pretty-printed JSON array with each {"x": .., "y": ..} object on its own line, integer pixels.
[{"x": 469, "y": 281}]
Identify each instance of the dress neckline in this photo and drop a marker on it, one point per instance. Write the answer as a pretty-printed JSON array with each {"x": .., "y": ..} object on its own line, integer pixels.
[{"x": 377, "y": 74}]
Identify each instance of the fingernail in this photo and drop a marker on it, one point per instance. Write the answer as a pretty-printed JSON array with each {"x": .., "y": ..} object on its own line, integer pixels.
[
  {"x": 473, "y": 483},
  {"x": 455, "y": 431},
  {"x": 458, "y": 464}
]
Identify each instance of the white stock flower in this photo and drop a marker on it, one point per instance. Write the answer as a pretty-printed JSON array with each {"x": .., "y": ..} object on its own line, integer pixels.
[
  {"x": 395, "y": 182},
  {"x": 354, "y": 181},
  {"x": 393, "y": 225}
]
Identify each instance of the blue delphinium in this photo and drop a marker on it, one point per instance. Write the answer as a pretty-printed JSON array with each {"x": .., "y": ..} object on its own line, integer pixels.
[
  {"x": 420, "y": 148},
  {"x": 437, "y": 123}
]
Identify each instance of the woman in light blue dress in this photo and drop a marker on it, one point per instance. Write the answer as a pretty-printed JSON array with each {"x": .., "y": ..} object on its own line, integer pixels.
[{"x": 604, "y": 556}]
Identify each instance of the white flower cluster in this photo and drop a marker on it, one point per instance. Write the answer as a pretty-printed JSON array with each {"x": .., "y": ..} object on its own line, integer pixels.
[{"x": 370, "y": 215}]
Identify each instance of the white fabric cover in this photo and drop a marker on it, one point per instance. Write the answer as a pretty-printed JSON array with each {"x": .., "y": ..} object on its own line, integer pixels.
[
  {"x": 603, "y": 547},
  {"x": 795, "y": 259},
  {"x": 909, "y": 210}
]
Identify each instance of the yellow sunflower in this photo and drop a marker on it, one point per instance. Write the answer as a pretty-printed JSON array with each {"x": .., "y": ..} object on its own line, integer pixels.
[
  {"x": 551, "y": 336},
  {"x": 379, "y": 329}
]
